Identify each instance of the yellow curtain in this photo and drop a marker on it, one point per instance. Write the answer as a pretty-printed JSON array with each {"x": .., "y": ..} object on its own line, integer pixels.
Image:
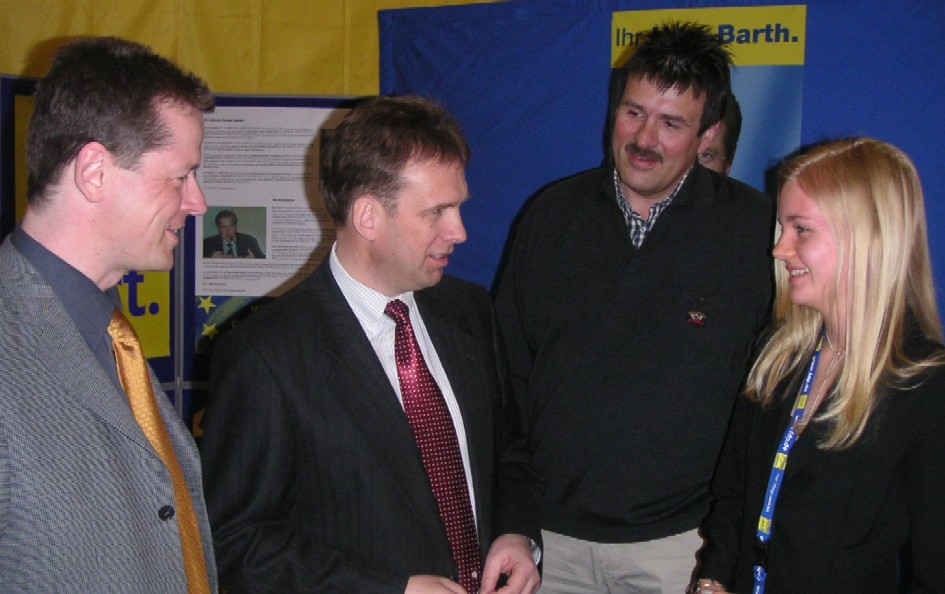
[{"x": 265, "y": 47}]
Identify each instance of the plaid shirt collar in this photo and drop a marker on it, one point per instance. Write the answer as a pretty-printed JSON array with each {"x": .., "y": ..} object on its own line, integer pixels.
[{"x": 637, "y": 227}]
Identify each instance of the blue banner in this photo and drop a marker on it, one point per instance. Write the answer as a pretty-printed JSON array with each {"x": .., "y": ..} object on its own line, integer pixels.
[{"x": 529, "y": 80}]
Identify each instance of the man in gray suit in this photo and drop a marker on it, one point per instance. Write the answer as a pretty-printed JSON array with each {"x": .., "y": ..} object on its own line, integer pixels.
[{"x": 86, "y": 503}]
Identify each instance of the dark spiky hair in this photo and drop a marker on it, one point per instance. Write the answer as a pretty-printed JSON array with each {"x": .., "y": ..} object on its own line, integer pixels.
[{"x": 686, "y": 56}]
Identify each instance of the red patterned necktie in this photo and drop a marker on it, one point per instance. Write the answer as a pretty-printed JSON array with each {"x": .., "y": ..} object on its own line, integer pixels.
[{"x": 439, "y": 448}]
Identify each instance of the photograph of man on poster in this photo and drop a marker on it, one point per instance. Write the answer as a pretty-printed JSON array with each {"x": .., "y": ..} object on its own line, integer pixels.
[{"x": 229, "y": 242}]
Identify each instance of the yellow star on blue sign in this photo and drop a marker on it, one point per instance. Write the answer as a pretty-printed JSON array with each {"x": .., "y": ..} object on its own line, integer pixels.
[{"x": 206, "y": 303}]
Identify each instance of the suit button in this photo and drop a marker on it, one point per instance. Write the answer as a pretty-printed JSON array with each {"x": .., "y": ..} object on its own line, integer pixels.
[{"x": 166, "y": 512}]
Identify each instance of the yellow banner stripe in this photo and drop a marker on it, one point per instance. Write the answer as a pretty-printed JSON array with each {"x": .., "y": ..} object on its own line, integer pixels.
[{"x": 756, "y": 36}]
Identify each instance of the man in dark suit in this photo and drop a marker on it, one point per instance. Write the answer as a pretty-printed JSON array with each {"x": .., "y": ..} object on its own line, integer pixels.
[
  {"x": 318, "y": 472},
  {"x": 228, "y": 242},
  {"x": 93, "y": 496}
]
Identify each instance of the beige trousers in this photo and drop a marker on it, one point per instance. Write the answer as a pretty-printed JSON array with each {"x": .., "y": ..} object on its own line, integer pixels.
[{"x": 662, "y": 566}]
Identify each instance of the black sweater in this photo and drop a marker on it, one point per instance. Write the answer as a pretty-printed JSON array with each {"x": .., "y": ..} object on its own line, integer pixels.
[{"x": 627, "y": 362}]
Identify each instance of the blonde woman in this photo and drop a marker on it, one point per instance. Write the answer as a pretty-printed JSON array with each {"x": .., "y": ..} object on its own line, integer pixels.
[{"x": 833, "y": 475}]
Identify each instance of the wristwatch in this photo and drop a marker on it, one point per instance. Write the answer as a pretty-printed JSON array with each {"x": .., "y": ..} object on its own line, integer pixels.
[
  {"x": 536, "y": 551},
  {"x": 696, "y": 586}
]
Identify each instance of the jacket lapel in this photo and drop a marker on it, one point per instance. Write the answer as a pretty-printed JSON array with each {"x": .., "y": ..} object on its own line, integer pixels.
[
  {"x": 356, "y": 377},
  {"x": 457, "y": 351},
  {"x": 73, "y": 364}
]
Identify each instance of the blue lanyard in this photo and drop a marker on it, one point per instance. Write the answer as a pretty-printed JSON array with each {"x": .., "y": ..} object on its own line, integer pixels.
[{"x": 763, "y": 534}]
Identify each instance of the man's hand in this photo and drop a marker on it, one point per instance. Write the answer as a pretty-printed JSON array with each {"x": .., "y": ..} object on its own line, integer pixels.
[
  {"x": 432, "y": 584},
  {"x": 510, "y": 555}
]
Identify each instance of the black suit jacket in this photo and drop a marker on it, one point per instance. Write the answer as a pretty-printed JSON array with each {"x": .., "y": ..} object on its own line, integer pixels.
[
  {"x": 313, "y": 478},
  {"x": 866, "y": 519},
  {"x": 244, "y": 243}
]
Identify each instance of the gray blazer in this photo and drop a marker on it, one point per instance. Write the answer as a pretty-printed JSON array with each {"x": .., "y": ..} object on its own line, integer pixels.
[{"x": 80, "y": 486}]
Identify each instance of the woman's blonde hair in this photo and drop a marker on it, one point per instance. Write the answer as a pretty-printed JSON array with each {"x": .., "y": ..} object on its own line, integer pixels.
[{"x": 869, "y": 194}]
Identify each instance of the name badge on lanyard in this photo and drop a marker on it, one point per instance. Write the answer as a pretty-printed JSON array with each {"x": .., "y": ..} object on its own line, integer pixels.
[{"x": 763, "y": 533}]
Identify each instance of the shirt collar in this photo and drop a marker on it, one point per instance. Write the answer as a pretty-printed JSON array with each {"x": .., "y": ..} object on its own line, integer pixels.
[
  {"x": 657, "y": 207},
  {"x": 89, "y": 307},
  {"x": 366, "y": 303}
]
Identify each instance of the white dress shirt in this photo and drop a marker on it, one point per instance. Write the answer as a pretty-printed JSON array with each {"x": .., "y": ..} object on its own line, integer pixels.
[{"x": 368, "y": 307}]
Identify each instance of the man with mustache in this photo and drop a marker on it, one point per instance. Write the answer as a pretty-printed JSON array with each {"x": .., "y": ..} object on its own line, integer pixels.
[{"x": 629, "y": 302}]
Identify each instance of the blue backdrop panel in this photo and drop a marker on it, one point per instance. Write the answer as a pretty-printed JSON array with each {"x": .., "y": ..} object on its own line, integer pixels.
[
  {"x": 529, "y": 85},
  {"x": 529, "y": 81},
  {"x": 771, "y": 101}
]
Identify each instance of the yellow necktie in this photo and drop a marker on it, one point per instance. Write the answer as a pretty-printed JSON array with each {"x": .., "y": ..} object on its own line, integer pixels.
[{"x": 133, "y": 371}]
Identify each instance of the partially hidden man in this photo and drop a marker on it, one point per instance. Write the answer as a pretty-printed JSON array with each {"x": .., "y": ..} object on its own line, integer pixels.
[
  {"x": 361, "y": 434},
  {"x": 100, "y": 487}
]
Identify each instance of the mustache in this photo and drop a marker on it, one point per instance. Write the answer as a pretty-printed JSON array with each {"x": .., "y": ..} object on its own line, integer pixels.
[{"x": 642, "y": 153}]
